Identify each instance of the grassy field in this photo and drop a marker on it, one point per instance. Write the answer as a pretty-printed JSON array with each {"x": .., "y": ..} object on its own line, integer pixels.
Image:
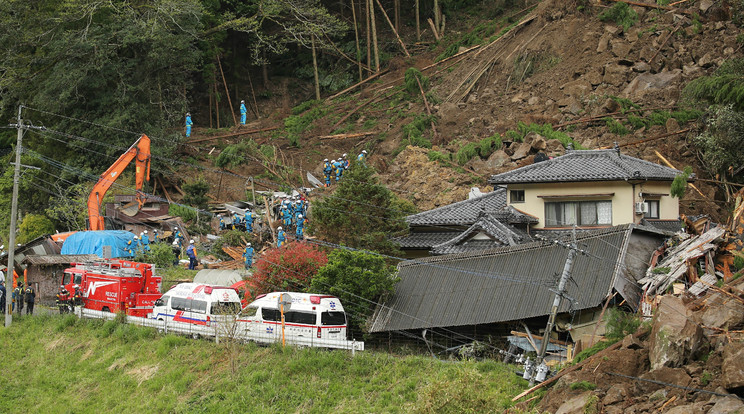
[{"x": 61, "y": 364}]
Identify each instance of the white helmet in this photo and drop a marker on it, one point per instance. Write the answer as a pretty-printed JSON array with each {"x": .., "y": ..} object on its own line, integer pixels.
[
  {"x": 2, "y": 247},
  {"x": 325, "y": 160},
  {"x": 136, "y": 238},
  {"x": 248, "y": 245},
  {"x": 175, "y": 228},
  {"x": 299, "y": 215},
  {"x": 175, "y": 243},
  {"x": 364, "y": 151},
  {"x": 191, "y": 241},
  {"x": 345, "y": 154},
  {"x": 145, "y": 231},
  {"x": 279, "y": 228},
  {"x": 242, "y": 101}
]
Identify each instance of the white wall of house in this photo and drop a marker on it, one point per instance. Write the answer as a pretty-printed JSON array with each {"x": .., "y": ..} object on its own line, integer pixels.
[{"x": 622, "y": 195}]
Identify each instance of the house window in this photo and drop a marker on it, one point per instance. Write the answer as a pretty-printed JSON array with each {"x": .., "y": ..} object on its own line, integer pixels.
[
  {"x": 652, "y": 209},
  {"x": 516, "y": 196},
  {"x": 580, "y": 213}
]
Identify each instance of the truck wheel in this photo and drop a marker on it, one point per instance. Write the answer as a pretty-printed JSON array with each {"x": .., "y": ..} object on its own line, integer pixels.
[
  {"x": 195, "y": 336},
  {"x": 160, "y": 330},
  {"x": 105, "y": 309}
]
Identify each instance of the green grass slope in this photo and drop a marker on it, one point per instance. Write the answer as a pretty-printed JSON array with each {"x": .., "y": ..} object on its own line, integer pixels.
[{"x": 59, "y": 364}]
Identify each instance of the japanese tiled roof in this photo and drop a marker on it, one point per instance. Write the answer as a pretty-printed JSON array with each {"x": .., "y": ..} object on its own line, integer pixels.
[
  {"x": 466, "y": 212},
  {"x": 512, "y": 283},
  {"x": 499, "y": 235},
  {"x": 423, "y": 240},
  {"x": 587, "y": 165}
]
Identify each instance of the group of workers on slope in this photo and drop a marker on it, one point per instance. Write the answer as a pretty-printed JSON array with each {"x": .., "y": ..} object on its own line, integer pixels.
[
  {"x": 293, "y": 213},
  {"x": 243, "y": 115},
  {"x": 237, "y": 222},
  {"x": 336, "y": 168},
  {"x": 19, "y": 296},
  {"x": 141, "y": 244},
  {"x": 67, "y": 301}
]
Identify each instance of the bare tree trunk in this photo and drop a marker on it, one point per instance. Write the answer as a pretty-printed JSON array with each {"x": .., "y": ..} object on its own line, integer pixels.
[
  {"x": 396, "y": 12},
  {"x": 418, "y": 22},
  {"x": 369, "y": 42},
  {"x": 374, "y": 35},
  {"x": 211, "y": 97},
  {"x": 436, "y": 14},
  {"x": 356, "y": 38},
  {"x": 315, "y": 68},
  {"x": 395, "y": 32}
]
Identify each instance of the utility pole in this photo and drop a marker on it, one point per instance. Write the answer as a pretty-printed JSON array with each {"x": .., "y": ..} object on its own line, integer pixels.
[
  {"x": 13, "y": 215},
  {"x": 540, "y": 367}
]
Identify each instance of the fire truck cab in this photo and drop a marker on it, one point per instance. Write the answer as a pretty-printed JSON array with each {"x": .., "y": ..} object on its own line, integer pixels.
[
  {"x": 114, "y": 285},
  {"x": 309, "y": 315}
]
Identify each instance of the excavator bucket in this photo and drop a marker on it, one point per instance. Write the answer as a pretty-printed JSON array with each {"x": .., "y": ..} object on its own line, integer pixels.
[{"x": 130, "y": 209}]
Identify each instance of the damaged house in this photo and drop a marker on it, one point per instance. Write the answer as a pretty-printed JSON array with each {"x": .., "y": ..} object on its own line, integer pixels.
[{"x": 496, "y": 268}]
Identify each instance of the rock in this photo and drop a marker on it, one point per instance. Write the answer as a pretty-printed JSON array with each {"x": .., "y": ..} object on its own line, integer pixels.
[
  {"x": 539, "y": 143},
  {"x": 692, "y": 70},
  {"x": 614, "y": 409},
  {"x": 722, "y": 312},
  {"x": 645, "y": 82},
  {"x": 687, "y": 409},
  {"x": 533, "y": 101},
  {"x": 631, "y": 342},
  {"x": 728, "y": 51},
  {"x": 555, "y": 148},
  {"x": 632, "y": 35},
  {"x": 448, "y": 110},
  {"x": 641, "y": 66},
  {"x": 706, "y": 60},
  {"x": 726, "y": 405},
  {"x": 461, "y": 49},
  {"x": 732, "y": 375},
  {"x": 614, "y": 395},
  {"x": 705, "y": 5},
  {"x": 522, "y": 151},
  {"x": 671, "y": 125},
  {"x": 694, "y": 370},
  {"x": 519, "y": 97},
  {"x": 570, "y": 104},
  {"x": 593, "y": 76},
  {"x": 615, "y": 74},
  {"x": 610, "y": 105},
  {"x": 497, "y": 160},
  {"x": 604, "y": 43},
  {"x": 676, "y": 376},
  {"x": 577, "y": 88},
  {"x": 612, "y": 29},
  {"x": 620, "y": 48},
  {"x": 577, "y": 404},
  {"x": 674, "y": 337}
]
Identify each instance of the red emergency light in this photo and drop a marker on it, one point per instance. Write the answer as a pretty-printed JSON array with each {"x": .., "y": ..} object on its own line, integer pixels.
[{"x": 315, "y": 300}]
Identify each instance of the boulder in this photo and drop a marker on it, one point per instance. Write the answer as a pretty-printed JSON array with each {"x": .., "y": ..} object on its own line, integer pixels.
[
  {"x": 522, "y": 151},
  {"x": 577, "y": 404},
  {"x": 646, "y": 82},
  {"x": 620, "y": 48},
  {"x": 676, "y": 376},
  {"x": 722, "y": 312},
  {"x": 726, "y": 405},
  {"x": 706, "y": 60},
  {"x": 615, "y": 74},
  {"x": 674, "y": 337},
  {"x": 671, "y": 125},
  {"x": 555, "y": 148},
  {"x": 614, "y": 395},
  {"x": 497, "y": 160},
  {"x": 641, "y": 66},
  {"x": 539, "y": 143},
  {"x": 631, "y": 342},
  {"x": 732, "y": 375},
  {"x": 610, "y": 105},
  {"x": 570, "y": 104},
  {"x": 448, "y": 112},
  {"x": 687, "y": 409},
  {"x": 577, "y": 88},
  {"x": 604, "y": 43}
]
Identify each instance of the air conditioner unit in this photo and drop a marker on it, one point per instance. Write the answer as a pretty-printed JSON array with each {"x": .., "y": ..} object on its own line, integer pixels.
[{"x": 641, "y": 208}]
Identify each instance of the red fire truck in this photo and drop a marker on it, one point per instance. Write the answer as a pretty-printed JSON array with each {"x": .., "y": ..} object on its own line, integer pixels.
[{"x": 114, "y": 285}]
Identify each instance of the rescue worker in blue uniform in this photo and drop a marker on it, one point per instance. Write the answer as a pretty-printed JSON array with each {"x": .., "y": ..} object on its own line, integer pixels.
[
  {"x": 248, "y": 256},
  {"x": 339, "y": 168},
  {"x": 362, "y": 156},
  {"x": 248, "y": 221},
  {"x": 145, "y": 241},
  {"x": 243, "y": 112},
  {"x": 155, "y": 236},
  {"x": 280, "y": 237},
  {"x": 345, "y": 161},
  {"x": 137, "y": 245},
  {"x": 189, "y": 123},
  {"x": 223, "y": 226},
  {"x": 299, "y": 234},
  {"x": 191, "y": 253},
  {"x": 178, "y": 236},
  {"x": 131, "y": 246},
  {"x": 236, "y": 221},
  {"x": 286, "y": 215},
  {"x": 327, "y": 168}
]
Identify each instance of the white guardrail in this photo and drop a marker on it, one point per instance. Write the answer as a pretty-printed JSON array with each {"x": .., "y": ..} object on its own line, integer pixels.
[{"x": 230, "y": 329}]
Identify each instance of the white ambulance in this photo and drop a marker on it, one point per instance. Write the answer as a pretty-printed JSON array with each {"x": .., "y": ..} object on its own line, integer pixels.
[
  {"x": 309, "y": 316},
  {"x": 197, "y": 303}
]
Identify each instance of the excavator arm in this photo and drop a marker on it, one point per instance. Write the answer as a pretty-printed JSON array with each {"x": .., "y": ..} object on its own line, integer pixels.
[{"x": 140, "y": 153}]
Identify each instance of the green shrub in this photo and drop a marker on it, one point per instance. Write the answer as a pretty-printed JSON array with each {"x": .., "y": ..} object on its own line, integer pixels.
[
  {"x": 622, "y": 14},
  {"x": 594, "y": 349},
  {"x": 658, "y": 117},
  {"x": 625, "y": 104},
  {"x": 296, "y": 125},
  {"x": 414, "y": 131},
  {"x": 615, "y": 126},
  {"x": 583, "y": 385},
  {"x": 488, "y": 145},
  {"x": 304, "y": 106},
  {"x": 410, "y": 81},
  {"x": 437, "y": 156},
  {"x": 620, "y": 324},
  {"x": 679, "y": 185},
  {"x": 636, "y": 122},
  {"x": 186, "y": 213},
  {"x": 738, "y": 262},
  {"x": 466, "y": 153},
  {"x": 660, "y": 270},
  {"x": 686, "y": 116},
  {"x": 545, "y": 130}
]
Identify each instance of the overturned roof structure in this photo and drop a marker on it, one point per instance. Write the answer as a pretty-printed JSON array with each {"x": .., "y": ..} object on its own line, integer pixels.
[{"x": 513, "y": 283}]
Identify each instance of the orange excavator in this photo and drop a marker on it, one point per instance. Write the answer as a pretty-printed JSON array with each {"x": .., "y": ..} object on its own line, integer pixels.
[{"x": 140, "y": 153}]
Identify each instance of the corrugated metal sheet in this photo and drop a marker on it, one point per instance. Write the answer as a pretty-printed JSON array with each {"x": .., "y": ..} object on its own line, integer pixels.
[
  {"x": 219, "y": 277},
  {"x": 502, "y": 284}
]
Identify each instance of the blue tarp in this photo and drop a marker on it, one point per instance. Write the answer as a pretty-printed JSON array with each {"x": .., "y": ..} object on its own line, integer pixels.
[{"x": 92, "y": 242}]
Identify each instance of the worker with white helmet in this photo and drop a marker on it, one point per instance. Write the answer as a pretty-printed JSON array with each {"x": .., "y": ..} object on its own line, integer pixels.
[
  {"x": 191, "y": 253},
  {"x": 280, "y": 237},
  {"x": 178, "y": 236},
  {"x": 327, "y": 168},
  {"x": 176, "y": 251},
  {"x": 300, "y": 232},
  {"x": 338, "y": 167},
  {"x": 189, "y": 123},
  {"x": 243, "y": 112},
  {"x": 362, "y": 155},
  {"x": 345, "y": 161},
  {"x": 248, "y": 256},
  {"x": 145, "y": 239}
]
